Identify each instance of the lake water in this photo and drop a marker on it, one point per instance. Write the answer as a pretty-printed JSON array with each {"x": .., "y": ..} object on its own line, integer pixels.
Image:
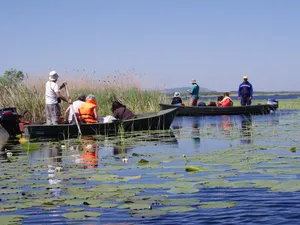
[{"x": 248, "y": 173}]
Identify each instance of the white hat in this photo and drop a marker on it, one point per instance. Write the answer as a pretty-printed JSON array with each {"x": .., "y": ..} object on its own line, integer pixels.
[
  {"x": 193, "y": 81},
  {"x": 91, "y": 97},
  {"x": 245, "y": 77},
  {"x": 53, "y": 75},
  {"x": 176, "y": 94}
]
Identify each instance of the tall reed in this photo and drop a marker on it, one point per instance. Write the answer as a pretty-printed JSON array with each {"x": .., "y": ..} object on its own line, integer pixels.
[{"x": 26, "y": 96}]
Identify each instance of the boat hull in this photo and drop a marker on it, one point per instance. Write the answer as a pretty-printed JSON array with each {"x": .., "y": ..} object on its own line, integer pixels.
[
  {"x": 151, "y": 121},
  {"x": 213, "y": 110}
]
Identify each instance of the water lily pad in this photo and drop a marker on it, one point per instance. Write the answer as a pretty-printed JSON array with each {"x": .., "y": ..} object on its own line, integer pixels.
[
  {"x": 126, "y": 178},
  {"x": 217, "y": 205},
  {"x": 147, "y": 213},
  {"x": 30, "y": 146},
  {"x": 10, "y": 219},
  {"x": 170, "y": 175},
  {"x": 194, "y": 169},
  {"x": 75, "y": 209},
  {"x": 216, "y": 183},
  {"x": 183, "y": 190},
  {"x": 134, "y": 206},
  {"x": 80, "y": 215},
  {"x": 180, "y": 201},
  {"x": 286, "y": 186},
  {"x": 143, "y": 161},
  {"x": 105, "y": 177},
  {"x": 108, "y": 205},
  {"x": 177, "y": 209}
]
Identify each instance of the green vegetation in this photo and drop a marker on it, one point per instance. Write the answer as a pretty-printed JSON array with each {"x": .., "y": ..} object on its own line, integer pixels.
[
  {"x": 12, "y": 77},
  {"x": 25, "y": 96},
  {"x": 32, "y": 98}
]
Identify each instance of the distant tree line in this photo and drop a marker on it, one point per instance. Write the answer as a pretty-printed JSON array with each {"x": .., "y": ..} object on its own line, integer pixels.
[{"x": 11, "y": 77}]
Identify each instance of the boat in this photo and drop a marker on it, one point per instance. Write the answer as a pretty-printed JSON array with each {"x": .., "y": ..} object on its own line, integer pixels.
[
  {"x": 161, "y": 120},
  {"x": 213, "y": 110}
]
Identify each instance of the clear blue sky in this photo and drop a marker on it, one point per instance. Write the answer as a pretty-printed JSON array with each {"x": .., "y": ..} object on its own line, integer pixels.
[{"x": 214, "y": 41}]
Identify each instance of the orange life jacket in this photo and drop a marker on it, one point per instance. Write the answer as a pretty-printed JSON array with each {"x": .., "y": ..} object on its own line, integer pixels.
[{"x": 86, "y": 111}]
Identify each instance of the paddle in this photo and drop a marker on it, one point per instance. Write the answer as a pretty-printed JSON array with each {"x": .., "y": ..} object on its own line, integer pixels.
[{"x": 68, "y": 95}]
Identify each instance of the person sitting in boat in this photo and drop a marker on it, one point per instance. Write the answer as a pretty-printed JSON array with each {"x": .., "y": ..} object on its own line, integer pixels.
[
  {"x": 88, "y": 112},
  {"x": 219, "y": 99},
  {"x": 121, "y": 112},
  {"x": 226, "y": 101},
  {"x": 76, "y": 105},
  {"x": 176, "y": 99}
]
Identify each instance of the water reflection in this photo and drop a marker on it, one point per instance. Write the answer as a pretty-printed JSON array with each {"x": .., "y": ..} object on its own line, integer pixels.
[
  {"x": 195, "y": 134},
  {"x": 121, "y": 148},
  {"x": 226, "y": 124},
  {"x": 177, "y": 125},
  {"x": 89, "y": 156},
  {"x": 246, "y": 130}
]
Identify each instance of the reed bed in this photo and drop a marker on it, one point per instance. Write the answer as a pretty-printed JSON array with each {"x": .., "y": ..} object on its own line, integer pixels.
[{"x": 30, "y": 96}]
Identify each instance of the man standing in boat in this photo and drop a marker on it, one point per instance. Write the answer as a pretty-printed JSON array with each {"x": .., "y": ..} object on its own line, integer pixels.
[
  {"x": 245, "y": 92},
  {"x": 194, "y": 93},
  {"x": 53, "y": 97}
]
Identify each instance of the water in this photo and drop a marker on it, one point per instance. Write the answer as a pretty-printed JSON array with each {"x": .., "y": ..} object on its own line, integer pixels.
[{"x": 236, "y": 152}]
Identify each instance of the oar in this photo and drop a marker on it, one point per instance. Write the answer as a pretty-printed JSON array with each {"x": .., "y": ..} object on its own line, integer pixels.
[{"x": 79, "y": 130}]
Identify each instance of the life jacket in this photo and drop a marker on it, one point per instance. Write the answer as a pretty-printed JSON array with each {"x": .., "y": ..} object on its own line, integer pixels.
[
  {"x": 227, "y": 102},
  {"x": 86, "y": 111}
]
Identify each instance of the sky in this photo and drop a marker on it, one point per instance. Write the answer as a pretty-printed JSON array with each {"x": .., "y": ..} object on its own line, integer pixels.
[{"x": 166, "y": 42}]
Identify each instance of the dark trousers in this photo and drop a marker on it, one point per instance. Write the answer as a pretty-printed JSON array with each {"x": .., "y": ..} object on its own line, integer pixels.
[{"x": 245, "y": 100}]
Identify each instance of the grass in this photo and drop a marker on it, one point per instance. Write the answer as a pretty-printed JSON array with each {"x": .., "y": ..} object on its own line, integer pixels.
[{"x": 32, "y": 97}]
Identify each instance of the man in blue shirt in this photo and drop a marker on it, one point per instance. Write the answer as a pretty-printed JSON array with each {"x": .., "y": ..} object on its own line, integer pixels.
[
  {"x": 194, "y": 93},
  {"x": 245, "y": 92}
]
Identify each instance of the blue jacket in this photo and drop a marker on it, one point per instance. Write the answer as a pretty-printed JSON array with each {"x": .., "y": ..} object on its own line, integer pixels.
[
  {"x": 245, "y": 89},
  {"x": 176, "y": 100}
]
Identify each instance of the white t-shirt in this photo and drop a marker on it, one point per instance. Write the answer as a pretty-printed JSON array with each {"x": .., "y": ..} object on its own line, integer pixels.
[
  {"x": 76, "y": 106},
  {"x": 51, "y": 89}
]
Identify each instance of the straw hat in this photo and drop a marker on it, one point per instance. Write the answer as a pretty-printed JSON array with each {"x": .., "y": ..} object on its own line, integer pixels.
[
  {"x": 193, "y": 81},
  {"x": 176, "y": 94},
  {"x": 245, "y": 77},
  {"x": 53, "y": 75}
]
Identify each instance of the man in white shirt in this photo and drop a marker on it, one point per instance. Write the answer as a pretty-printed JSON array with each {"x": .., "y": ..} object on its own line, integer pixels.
[
  {"x": 76, "y": 106},
  {"x": 52, "y": 96}
]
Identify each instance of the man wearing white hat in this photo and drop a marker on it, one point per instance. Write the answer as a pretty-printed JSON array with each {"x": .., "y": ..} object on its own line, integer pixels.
[
  {"x": 245, "y": 92},
  {"x": 194, "y": 93},
  {"x": 53, "y": 98}
]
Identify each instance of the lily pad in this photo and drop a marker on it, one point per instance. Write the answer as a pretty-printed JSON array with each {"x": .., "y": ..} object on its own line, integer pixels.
[
  {"x": 134, "y": 206},
  {"x": 177, "y": 209},
  {"x": 147, "y": 213},
  {"x": 30, "y": 146},
  {"x": 9, "y": 219},
  {"x": 180, "y": 201},
  {"x": 183, "y": 190},
  {"x": 194, "y": 169},
  {"x": 217, "y": 205},
  {"x": 80, "y": 215},
  {"x": 75, "y": 209},
  {"x": 143, "y": 161}
]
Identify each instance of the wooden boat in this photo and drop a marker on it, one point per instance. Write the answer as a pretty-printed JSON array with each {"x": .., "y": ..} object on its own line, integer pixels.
[
  {"x": 161, "y": 120},
  {"x": 213, "y": 110}
]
